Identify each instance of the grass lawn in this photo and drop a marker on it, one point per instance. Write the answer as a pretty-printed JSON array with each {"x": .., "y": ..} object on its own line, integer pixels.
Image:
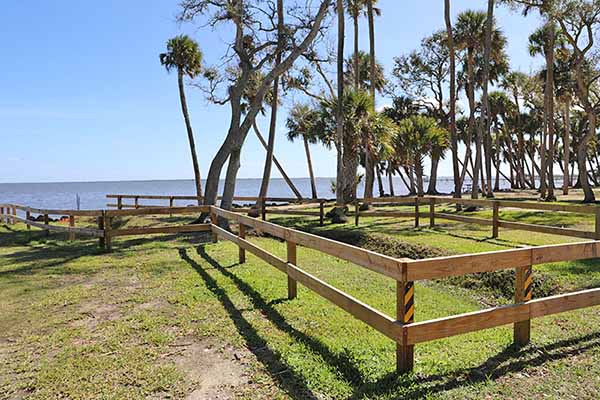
[{"x": 172, "y": 317}]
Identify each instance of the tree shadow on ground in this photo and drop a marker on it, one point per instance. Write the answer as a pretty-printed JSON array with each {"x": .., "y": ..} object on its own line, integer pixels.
[{"x": 510, "y": 360}]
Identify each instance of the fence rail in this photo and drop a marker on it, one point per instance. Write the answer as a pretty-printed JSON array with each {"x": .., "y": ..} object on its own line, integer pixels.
[{"x": 402, "y": 328}]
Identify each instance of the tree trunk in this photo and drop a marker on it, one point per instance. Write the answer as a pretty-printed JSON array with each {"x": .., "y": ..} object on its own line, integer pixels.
[
  {"x": 582, "y": 155},
  {"x": 419, "y": 174},
  {"x": 356, "y": 57},
  {"x": 435, "y": 161},
  {"x": 379, "y": 182},
  {"x": 497, "y": 182},
  {"x": 391, "y": 183},
  {"x": 369, "y": 156},
  {"x": 550, "y": 112},
  {"x": 313, "y": 183},
  {"x": 485, "y": 111},
  {"x": 340, "y": 184},
  {"x": 471, "y": 98},
  {"x": 285, "y": 176},
  {"x": 453, "y": 135},
  {"x": 566, "y": 147},
  {"x": 190, "y": 133}
]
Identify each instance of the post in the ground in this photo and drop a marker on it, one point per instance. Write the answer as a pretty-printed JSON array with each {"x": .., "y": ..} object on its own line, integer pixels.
[
  {"x": 14, "y": 213},
  {"x": 101, "y": 241},
  {"x": 356, "y": 212},
  {"x": 215, "y": 221},
  {"x": 321, "y": 213},
  {"x": 432, "y": 212},
  {"x": 496, "y": 220},
  {"x": 523, "y": 294},
  {"x": 47, "y": 222},
  {"x": 28, "y": 218},
  {"x": 120, "y": 202},
  {"x": 2, "y": 215},
  {"x": 263, "y": 208},
  {"x": 71, "y": 225},
  {"x": 107, "y": 233},
  {"x": 417, "y": 212},
  {"x": 597, "y": 235},
  {"x": 405, "y": 313},
  {"x": 291, "y": 259},
  {"x": 137, "y": 202},
  {"x": 242, "y": 251}
]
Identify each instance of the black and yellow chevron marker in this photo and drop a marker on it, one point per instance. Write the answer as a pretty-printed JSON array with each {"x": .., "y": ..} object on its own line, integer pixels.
[
  {"x": 409, "y": 302},
  {"x": 528, "y": 284}
]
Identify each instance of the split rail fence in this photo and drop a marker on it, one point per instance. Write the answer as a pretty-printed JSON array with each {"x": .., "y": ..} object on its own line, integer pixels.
[{"x": 402, "y": 328}]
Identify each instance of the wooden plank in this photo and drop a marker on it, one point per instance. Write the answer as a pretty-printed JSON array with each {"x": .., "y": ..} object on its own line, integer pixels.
[
  {"x": 252, "y": 248},
  {"x": 58, "y": 228},
  {"x": 391, "y": 200},
  {"x": 161, "y": 229},
  {"x": 441, "y": 267},
  {"x": 391, "y": 214},
  {"x": 160, "y": 211},
  {"x": 235, "y": 198},
  {"x": 462, "y": 218},
  {"x": 293, "y": 212},
  {"x": 359, "y": 310},
  {"x": 385, "y": 265},
  {"x": 478, "y": 320},
  {"x": 552, "y": 230},
  {"x": 77, "y": 213},
  {"x": 580, "y": 209}
]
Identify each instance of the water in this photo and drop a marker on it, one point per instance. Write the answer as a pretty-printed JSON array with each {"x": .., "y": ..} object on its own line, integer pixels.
[{"x": 93, "y": 194}]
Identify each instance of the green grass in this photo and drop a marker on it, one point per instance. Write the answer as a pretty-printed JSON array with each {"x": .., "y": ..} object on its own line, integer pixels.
[{"x": 78, "y": 323}]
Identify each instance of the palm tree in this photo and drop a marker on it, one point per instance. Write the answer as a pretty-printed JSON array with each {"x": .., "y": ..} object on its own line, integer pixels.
[
  {"x": 364, "y": 73},
  {"x": 369, "y": 164},
  {"x": 470, "y": 33},
  {"x": 355, "y": 8},
  {"x": 183, "y": 54},
  {"x": 417, "y": 137},
  {"x": 300, "y": 123}
]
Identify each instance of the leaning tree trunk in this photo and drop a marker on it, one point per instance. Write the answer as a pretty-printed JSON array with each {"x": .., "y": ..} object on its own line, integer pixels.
[
  {"x": 311, "y": 173},
  {"x": 190, "y": 133},
  {"x": 391, "y": 183},
  {"x": 566, "y": 147},
  {"x": 379, "y": 182},
  {"x": 588, "y": 193}
]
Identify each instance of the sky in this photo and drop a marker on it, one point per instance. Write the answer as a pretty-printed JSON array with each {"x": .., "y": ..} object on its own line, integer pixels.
[{"x": 83, "y": 96}]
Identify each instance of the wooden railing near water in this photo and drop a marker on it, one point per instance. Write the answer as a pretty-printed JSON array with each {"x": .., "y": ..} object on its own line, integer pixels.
[
  {"x": 429, "y": 202},
  {"x": 402, "y": 328}
]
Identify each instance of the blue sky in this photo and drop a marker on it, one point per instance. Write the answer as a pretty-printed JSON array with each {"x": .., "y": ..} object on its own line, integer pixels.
[{"x": 83, "y": 96}]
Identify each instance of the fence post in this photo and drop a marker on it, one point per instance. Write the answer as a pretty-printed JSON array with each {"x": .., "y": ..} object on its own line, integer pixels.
[
  {"x": 242, "y": 251},
  {"x": 291, "y": 259},
  {"x": 417, "y": 212},
  {"x": 1, "y": 215},
  {"x": 214, "y": 220},
  {"x": 71, "y": 225},
  {"x": 28, "y": 217},
  {"x": 46, "y": 222},
  {"x": 120, "y": 202},
  {"x": 321, "y": 213},
  {"x": 597, "y": 230},
  {"x": 263, "y": 208},
  {"x": 107, "y": 234},
  {"x": 101, "y": 241},
  {"x": 523, "y": 294},
  {"x": 496, "y": 221},
  {"x": 137, "y": 202},
  {"x": 405, "y": 313},
  {"x": 356, "y": 212},
  {"x": 432, "y": 212},
  {"x": 14, "y": 213}
]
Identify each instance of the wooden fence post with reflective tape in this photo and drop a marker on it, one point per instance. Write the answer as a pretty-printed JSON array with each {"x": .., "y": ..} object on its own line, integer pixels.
[
  {"x": 321, "y": 213},
  {"x": 291, "y": 259},
  {"x": 28, "y": 218},
  {"x": 523, "y": 294},
  {"x": 405, "y": 313}
]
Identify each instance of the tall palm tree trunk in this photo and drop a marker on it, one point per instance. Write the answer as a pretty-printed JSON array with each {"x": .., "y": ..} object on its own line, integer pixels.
[
  {"x": 340, "y": 181},
  {"x": 311, "y": 173},
  {"x": 550, "y": 112},
  {"x": 356, "y": 56},
  {"x": 453, "y": 135},
  {"x": 566, "y": 146},
  {"x": 369, "y": 167},
  {"x": 190, "y": 133},
  {"x": 264, "y": 186},
  {"x": 391, "y": 183},
  {"x": 485, "y": 111}
]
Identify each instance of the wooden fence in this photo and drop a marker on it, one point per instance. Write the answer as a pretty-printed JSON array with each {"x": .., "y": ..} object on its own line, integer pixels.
[
  {"x": 105, "y": 230},
  {"x": 429, "y": 203},
  {"x": 403, "y": 329}
]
